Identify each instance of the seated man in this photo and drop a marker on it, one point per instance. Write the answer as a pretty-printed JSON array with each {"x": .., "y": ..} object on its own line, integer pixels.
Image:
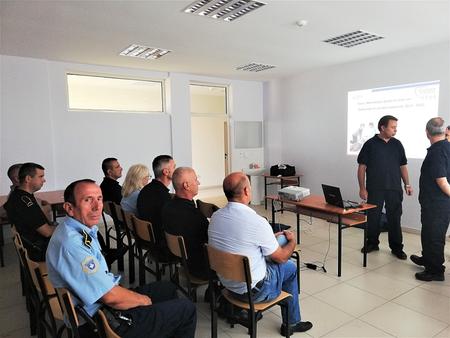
[
  {"x": 181, "y": 217},
  {"x": 75, "y": 262},
  {"x": 24, "y": 211},
  {"x": 236, "y": 228},
  {"x": 154, "y": 196},
  {"x": 111, "y": 189}
]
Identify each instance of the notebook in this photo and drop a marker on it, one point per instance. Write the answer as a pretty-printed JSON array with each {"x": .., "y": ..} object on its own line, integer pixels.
[{"x": 333, "y": 196}]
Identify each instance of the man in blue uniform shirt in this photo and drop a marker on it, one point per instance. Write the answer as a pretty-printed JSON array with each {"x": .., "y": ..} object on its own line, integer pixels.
[
  {"x": 434, "y": 198},
  {"x": 75, "y": 262}
]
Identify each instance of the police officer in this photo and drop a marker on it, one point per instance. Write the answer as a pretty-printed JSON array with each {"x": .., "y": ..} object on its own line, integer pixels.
[
  {"x": 74, "y": 261},
  {"x": 383, "y": 159},
  {"x": 434, "y": 198},
  {"x": 25, "y": 213}
]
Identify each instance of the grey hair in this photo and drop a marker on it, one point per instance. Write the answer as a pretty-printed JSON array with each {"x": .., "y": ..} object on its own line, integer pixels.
[{"x": 435, "y": 126}]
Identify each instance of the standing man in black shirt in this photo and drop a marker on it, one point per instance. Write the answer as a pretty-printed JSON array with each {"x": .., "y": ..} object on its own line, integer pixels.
[
  {"x": 181, "y": 217},
  {"x": 434, "y": 198},
  {"x": 154, "y": 195},
  {"x": 111, "y": 189},
  {"x": 382, "y": 166},
  {"x": 24, "y": 211}
]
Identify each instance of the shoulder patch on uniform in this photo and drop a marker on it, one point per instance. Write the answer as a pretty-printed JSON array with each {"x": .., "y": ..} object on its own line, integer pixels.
[
  {"x": 28, "y": 202},
  {"x": 90, "y": 265}
]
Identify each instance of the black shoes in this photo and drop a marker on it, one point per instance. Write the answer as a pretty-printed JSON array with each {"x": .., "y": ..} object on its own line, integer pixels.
[
  {"x": 418, "y": 260},
  {"x": 428, "y": 276},
  {"x": 370, "y": 248},
  {"x": 400, "y": 254},
  {"x": 299, "y": 327}
]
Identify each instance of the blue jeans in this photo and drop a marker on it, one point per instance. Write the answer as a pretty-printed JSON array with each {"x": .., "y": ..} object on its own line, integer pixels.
[{"x": 280, "y": 277}]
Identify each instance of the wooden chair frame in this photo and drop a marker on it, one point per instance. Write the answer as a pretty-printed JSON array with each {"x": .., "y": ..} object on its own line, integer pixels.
[
  {"x": 237, "y": 268},
  {"x": 146, "y": 241},
  {"x": 109, "y": 209},
  {"x": 123, "y": 221},
  {"x": 178, "y": 248}
]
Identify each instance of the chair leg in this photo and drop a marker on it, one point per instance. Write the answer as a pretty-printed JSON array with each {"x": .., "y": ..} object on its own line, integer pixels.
[
  {"x": 213, "y": 316},
  {"x": 131, "y": 270},
  {"x": 141, "y": 268}
]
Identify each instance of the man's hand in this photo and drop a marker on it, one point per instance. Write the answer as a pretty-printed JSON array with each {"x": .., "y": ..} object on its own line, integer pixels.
[
  {"x": 408, "y": 190},
  {"x": 363, "y": 194},
  {"x": 289, "y": 235}
]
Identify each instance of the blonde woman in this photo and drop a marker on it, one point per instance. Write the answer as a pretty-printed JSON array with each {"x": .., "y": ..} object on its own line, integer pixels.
[{"x": 137, "y": 177}]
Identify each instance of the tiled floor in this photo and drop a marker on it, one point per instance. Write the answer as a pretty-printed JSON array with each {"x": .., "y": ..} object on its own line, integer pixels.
[{"x": 382, "y": 300}]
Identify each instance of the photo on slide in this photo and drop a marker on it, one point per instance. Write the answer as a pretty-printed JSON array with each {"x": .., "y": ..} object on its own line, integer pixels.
[{"x": 412, "y": 104}]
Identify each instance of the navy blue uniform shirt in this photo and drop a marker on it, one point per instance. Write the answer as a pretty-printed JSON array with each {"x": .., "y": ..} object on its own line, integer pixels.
[{"x": 383, "y": 161}]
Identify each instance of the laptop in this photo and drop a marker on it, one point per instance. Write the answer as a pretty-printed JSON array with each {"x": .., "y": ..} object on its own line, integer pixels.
[{"x": 333, "y": 196}]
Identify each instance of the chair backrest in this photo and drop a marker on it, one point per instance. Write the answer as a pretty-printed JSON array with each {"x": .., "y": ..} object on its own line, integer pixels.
[
  {"x": 67, "y": 307},
  {"x": 143, "y": 230},
  {"x": 107, "y": 208},
  {"x": 118, "y": 212},
  {"x": 176, "y": 245},
  {"x": 228, "y": 265},
  {"x": 128, "y": 220},
  {"x": 207, "y": 209},
  {"x": 109, "y": 333}
]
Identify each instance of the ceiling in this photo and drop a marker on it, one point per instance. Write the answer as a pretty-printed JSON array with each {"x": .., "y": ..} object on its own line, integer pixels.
[{"x": 94, "y": 32}]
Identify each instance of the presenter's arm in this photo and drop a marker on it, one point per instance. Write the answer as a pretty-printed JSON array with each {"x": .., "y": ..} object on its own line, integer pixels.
[
  {"x": 362, "y": 181},
  {"x": 120, "y": 298},
  {"x": 282, "y": 254},
  {"x": 443, "y": 185},
  {"x": 405, "y": 178}
]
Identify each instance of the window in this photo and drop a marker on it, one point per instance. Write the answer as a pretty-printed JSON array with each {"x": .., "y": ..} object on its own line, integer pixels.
[{"x": 88, "y": 92}]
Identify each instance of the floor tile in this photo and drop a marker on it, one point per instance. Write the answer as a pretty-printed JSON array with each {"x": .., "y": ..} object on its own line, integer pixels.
[
  {"x": 400, "y": 321},
  {"x": 325, "y": 318},
  {"x": 380, "y": 285},
  {"x": 350, "y": 299},
  {"x": 444, "y": 333},
  {"x": 427, "y": 303},
  {"x": 312, "y": 281},
  {"x": 357, "y": 329}
]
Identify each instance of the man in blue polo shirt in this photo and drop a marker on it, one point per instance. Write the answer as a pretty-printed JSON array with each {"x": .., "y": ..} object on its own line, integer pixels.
[
  {"x": 382, "y": 166},
  {"x": 434, "y": 198},
  {"x": 75, "y": 262}
]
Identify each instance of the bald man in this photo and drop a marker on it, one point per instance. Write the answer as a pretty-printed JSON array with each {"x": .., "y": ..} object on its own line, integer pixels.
[
  {"x": 181, "y": 217},
  {"x": 238, "y": 229}
]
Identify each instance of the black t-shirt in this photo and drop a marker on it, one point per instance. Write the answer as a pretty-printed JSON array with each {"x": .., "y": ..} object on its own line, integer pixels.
[
  {"x": 383, "y": 161},
  {"x": 435, "y": 165},
  {"x": 182, "y": 218},
  {"x": 149, "y": 206},
  {"x": 111, "y": 190},
  {"x": 25, "y": 213}
]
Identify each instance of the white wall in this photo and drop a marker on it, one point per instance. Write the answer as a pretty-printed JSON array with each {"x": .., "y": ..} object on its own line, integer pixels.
[
  {"x": 37, "y": 126},
  {"x": 313, "y": 120}
]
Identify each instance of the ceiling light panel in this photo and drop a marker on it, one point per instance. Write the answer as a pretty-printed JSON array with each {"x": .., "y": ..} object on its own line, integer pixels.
[
  {"x": 254, "y": 67},
  {"x": 226, "y": 10},
  {"x": 353, "y": 39},
  {"x": 144, "y": 52}
]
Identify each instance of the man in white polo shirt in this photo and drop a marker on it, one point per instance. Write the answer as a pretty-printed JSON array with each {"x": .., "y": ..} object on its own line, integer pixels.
[{"x": 238, "y": 229}]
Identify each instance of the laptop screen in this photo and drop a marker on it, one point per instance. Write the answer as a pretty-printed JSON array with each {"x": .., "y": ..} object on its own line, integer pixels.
[{"x": 333, "y": 195}]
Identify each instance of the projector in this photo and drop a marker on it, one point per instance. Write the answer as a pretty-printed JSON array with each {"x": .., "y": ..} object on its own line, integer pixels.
[{"x": 293, "y": 193}]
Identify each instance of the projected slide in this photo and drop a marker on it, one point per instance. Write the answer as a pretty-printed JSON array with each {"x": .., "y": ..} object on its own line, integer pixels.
[{"x": 413, "y": 104}]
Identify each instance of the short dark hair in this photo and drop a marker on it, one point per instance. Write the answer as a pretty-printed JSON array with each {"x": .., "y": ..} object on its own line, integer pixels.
[
  {"x": 69, "y": 192},
  {"x": 13, "y": 168},
  {"x": 384, "y": 121},
  {"x": 28, "y": 169},
  {"x": 107, "y": 164},
  {"x": 158, "y": 164}
]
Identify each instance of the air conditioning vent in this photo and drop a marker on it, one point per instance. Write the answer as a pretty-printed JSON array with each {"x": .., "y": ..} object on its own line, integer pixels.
[
  {"x": 353, "y": 39},
  {"x": 227, "y": 10},
  {"x": 254, "y": 67}
]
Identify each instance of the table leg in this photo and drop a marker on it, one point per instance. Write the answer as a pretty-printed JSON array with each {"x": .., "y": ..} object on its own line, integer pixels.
[
  {"x": 339, "y": 245},
  {"x": 273, "y": 211},
  {"x": 365, "y": 246},
  {"x": 265, "y": 192}
]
